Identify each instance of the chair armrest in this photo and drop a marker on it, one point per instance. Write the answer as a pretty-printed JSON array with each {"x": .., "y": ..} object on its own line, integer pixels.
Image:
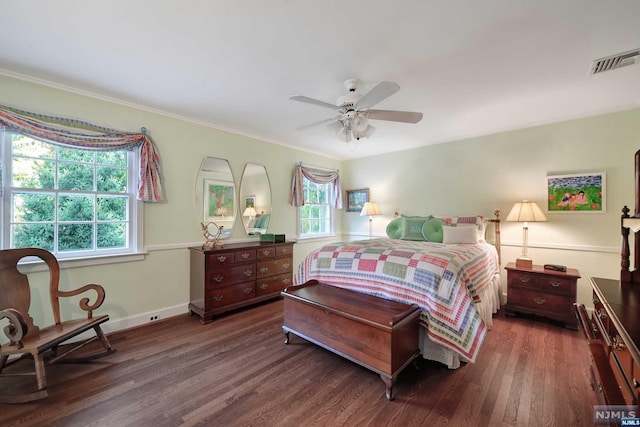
[
  {"x": 17, "y": 327},
  {"x": 84, "y": 302}
]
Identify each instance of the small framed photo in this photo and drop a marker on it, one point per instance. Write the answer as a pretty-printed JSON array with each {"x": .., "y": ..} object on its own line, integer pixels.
[
  {"x": 583, "y": 192},
  {"x": 356, "y": 199},
  {"x": 250, "y": 202}
]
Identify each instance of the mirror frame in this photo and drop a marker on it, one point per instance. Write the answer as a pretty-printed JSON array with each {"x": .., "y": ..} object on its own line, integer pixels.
[{"x": 213, "y": 174}]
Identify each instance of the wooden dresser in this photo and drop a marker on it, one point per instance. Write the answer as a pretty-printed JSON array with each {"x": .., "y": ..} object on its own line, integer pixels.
[
  {"x": 542, "y": 292},
  {"x": 237, "y": 275},
  {"x": 613, "y": 334}
]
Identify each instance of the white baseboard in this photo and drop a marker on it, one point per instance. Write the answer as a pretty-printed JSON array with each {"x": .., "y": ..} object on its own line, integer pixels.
[{"x": 137, "y": 320}]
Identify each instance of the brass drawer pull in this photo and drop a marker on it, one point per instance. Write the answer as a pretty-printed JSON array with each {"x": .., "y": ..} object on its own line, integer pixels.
[
  {"x": 266, "y": 252},
  {"x": 222, "y": 258},
  {"x": 539, "y": 300},
  {"x": 264, "y": 269},
  {"x": 218, "y": 279},
  {"x": 264, "y": 286},
  {"x": 618, "y": 344},
  {"x": 248, "y": 273},
  {"x": 525, "y": 279},
  {"x": 285, "y": 250},
  {"x": 286, "y": 265},
  {"x": 245, "y": 255},
  {"x": 555, "y": 284},
  {"x": 286, "y": 281},
  {"x": 218, "y": 297},
  {"x": 248, "y": 290}
]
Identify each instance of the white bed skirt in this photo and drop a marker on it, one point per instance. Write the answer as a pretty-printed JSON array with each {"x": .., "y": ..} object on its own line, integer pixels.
[{"x": 489, "y": 305}]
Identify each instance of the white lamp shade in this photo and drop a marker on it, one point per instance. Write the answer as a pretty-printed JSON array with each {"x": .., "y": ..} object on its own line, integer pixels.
[
  {"x": 249, "y": 212},
  {"x": 526, "y": 211},
  {"x": 370, "y": 208}
]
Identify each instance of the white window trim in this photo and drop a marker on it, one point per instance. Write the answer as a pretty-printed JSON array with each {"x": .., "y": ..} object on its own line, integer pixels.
[
  {"x": 331, "y": 232},
  {"x": 136, "y": 244}
]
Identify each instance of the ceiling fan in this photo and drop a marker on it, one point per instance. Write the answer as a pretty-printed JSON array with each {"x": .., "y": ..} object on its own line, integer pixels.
[{"x": 354, "y": 110}]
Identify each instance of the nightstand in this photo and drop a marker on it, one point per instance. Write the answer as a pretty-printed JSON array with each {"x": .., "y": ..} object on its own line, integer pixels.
[{"x": 547, "y": 293}]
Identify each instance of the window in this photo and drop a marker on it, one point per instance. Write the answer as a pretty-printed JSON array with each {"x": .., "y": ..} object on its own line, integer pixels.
[
  {"x": 74, "y": 203},
  {"x": 316, "y": 216}
]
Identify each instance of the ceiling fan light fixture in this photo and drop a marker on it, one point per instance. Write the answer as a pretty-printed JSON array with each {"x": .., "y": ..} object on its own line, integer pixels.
[{"x": 360, "y": 123}]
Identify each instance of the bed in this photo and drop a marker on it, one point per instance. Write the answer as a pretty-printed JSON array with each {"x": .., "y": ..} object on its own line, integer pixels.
[{"x": 456, "y": 283}]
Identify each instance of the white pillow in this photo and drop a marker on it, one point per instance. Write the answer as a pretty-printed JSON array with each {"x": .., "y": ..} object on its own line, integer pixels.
[{"x": 459, "y": 234}]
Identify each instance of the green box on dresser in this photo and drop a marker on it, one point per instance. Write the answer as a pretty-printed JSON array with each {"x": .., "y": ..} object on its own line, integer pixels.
[{"x": 237, "y": 275}]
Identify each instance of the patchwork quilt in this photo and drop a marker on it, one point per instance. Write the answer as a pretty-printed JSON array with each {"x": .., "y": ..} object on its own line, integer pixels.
[{"x": 443, "y": 279}]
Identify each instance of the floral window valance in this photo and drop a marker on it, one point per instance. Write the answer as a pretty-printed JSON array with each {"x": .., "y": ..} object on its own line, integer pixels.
[
  {"x": 78, "y": 134},
  {"x": 319, "y": 176}
]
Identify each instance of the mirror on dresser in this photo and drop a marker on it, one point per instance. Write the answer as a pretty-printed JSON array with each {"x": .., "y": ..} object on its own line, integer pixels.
[
  {"x": 215, "y": 195},
  {"x": 255, "y": 199}
]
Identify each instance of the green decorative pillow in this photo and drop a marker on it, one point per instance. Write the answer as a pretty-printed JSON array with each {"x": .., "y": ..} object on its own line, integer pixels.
[
  {"x": 432, "y": 230},
  {"x": 412, "y": 228},
  {"x": 394, "y": 228}
]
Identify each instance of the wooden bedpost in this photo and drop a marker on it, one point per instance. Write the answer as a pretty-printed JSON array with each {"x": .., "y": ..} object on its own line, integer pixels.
[
  {"x": 625, "y": 274},
  {"x": 496, "y": 230}
]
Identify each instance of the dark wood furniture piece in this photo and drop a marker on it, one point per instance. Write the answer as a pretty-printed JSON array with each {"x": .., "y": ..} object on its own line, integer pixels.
[
  {"x": 25, "y": 338},
  {"x": 542, "y": 292},
  {"x": 613, "y": 336},
  {"x": 237, "y": 275},
  {"x": 612, "y": 328},
  {"x": 379, "y": 334}
]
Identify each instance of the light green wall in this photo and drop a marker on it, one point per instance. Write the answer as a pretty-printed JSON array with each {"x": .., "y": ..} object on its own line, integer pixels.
[
  {"x": 470, "y": 176},
  {"x": 162, "y": 279},
  {"x": 480, "y": 175}
]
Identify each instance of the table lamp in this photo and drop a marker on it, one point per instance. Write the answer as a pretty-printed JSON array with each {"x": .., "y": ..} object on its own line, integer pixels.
[
  {"x": 371, "y": 209},
  {"x": 526, "y": 212}
]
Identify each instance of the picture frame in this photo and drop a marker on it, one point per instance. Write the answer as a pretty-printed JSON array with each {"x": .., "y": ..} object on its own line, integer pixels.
[
  {"x": 356, "y": 199},
  {"x": 250, "y": 202},
  {"x": 219, "y": 200},
  {"x": 577, "y": 193}
]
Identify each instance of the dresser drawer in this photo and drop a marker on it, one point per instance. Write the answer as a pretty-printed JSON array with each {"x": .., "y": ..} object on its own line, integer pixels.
[
  {"x": 522, "y": 280},
  {"x": 272, "y": 284},
  {"x": 277, "y": 266},
  {"x": 538, "y": 302},
  {"x": 284, "y": 250},
  {"x": 244, "y": 255},
  {"x": 227, "y": 295},
  {"x": 557, "y": 285},
  {"x": 227, "y": 276},
  {"x": 220, "y": 259},
  {"x": 266, "y": 252}
]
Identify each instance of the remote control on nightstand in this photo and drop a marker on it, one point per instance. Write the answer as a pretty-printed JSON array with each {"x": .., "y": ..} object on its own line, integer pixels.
[{"x": 555, "y": 267}]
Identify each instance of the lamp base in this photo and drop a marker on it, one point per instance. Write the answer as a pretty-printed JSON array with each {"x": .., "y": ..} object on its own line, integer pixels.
[{"x": 524, "y": 262}]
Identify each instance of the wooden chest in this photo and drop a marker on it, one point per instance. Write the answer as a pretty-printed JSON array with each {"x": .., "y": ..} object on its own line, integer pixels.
[
  {"x": 379, "y": 334},
  {"x": 237, "y": 275}
]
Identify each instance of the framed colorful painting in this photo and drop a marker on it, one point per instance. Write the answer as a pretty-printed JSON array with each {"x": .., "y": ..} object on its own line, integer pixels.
[
  {"x": 219, "y": 200},
  {"x": 584, "y": 192},
  {"x": 356, "y": 199}
]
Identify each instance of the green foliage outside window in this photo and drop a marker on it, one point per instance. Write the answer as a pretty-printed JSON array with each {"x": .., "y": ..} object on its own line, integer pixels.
[{"x": 65, "y": 199}]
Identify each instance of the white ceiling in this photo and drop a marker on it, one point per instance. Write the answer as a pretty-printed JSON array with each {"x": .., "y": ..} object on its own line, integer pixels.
[{"x": 472, "y": 67}]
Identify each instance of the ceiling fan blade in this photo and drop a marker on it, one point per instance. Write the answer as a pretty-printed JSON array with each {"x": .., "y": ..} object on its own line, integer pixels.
[
  {"x": 321, "y": 122},
  {"x": 381, "y": 91},
  {"x": 308, "y": 100},
  {"x": 395, "y": 116}
]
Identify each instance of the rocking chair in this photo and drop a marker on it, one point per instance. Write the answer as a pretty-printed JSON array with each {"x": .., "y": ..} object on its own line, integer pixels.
[{"x": 26, "y": 339}]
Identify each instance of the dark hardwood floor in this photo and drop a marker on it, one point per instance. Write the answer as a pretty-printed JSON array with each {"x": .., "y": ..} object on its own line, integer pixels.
[{"x": 236, "y": 371}]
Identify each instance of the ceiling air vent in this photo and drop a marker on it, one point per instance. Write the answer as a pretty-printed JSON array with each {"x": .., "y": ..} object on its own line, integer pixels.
[{"x": 615, "y": 61}]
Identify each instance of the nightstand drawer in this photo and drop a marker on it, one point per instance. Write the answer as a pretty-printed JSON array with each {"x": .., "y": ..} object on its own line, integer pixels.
[
  {"x": 518, "y": 279},
  {"x": 537, "y": 302},
  {"x": 557, "y": 285}
]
